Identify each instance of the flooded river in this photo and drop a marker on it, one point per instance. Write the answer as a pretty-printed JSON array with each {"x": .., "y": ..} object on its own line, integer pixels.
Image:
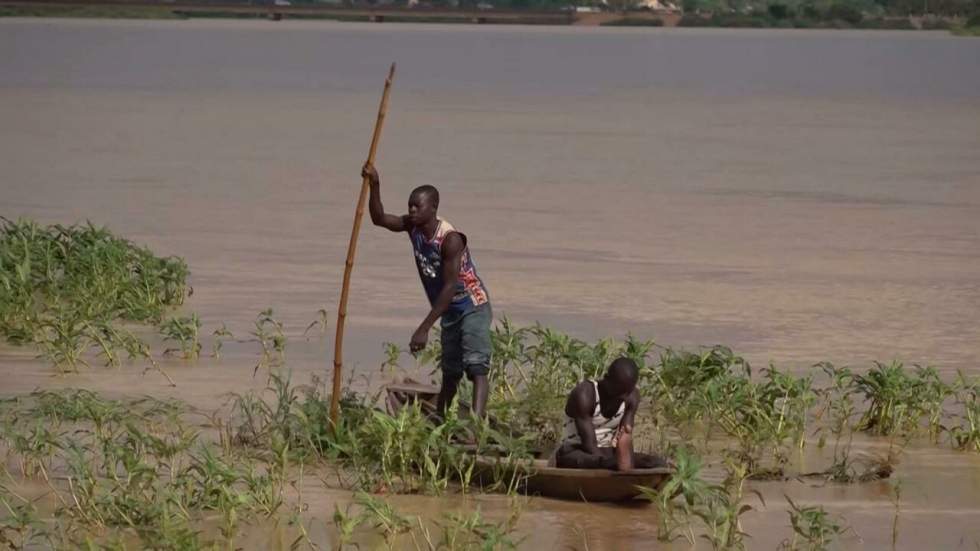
[{"x": 798, "y": 195}]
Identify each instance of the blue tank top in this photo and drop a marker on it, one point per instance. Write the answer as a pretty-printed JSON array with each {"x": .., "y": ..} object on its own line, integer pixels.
[{"x": 470, "y": 291}]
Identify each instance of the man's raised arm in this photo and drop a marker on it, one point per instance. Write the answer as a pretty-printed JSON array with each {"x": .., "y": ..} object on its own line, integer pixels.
[{"x": 377, "y": 210}]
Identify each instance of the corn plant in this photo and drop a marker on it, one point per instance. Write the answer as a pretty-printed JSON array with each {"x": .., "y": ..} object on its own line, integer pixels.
[
  {"x": 20, "y": 524},
  {"x": 714, "y": 509},
  {"x": 220, "y": 335},
  {"x": 392, "y": 352},
  {"x": 814, "y": 529},
  {"x": 676, "y": 501},
  {"x": 183, "y": 331},
  {"x": 966, "y": 435},
  {"x": 270, "y": 335},
  {"x": 898, "y": 400},
  {"x": 66, "y": 290}
]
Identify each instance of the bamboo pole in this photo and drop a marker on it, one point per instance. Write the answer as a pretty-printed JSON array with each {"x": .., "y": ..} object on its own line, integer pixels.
[{"x": 338, "y": 349}]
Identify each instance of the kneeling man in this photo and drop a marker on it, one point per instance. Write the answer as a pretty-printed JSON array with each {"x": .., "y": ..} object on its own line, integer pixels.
[{"x": 599, "y": 424}]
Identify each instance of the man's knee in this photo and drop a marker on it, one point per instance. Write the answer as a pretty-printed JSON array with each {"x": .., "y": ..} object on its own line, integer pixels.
[{"x": 451, "y": 379}]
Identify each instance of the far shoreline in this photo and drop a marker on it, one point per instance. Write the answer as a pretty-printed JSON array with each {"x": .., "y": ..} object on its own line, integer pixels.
[{"x": 75, "y": 9}]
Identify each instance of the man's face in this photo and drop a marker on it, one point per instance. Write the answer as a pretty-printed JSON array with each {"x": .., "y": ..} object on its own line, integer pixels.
[
  {"x": 621, "y": 389},
  {"x": 421, "y": 210}
]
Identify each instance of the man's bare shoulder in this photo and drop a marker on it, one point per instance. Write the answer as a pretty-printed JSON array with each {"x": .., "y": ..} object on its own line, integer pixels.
[{"x": 581, "y": 400}]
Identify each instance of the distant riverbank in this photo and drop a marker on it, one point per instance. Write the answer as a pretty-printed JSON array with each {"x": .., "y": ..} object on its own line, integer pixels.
[{"x": 838, "y": 16}]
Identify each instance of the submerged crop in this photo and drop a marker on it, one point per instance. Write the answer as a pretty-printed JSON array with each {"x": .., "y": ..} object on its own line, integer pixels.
[{"x": 69, "y": 289}]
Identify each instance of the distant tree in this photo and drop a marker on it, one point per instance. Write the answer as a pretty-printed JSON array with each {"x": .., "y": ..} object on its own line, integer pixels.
[
  {"x": 778, "y": 11},
  {"x": 845, "y": 12}
]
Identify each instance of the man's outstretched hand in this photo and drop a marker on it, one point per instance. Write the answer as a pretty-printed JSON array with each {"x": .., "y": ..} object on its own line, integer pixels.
[
  {"x": 368, "y": 171},
  {"x": 419, "y": 339}
]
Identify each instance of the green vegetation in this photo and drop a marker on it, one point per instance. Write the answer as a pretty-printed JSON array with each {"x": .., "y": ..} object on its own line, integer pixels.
[
  {"x": 687, "y": 498},
  {"x": 99, "y": 12},
  {"x": 970, "y": 28},
  {"x": 71, "y": 290},
  {"x": 813, "y": 528},
  {"x": 456, "y": 531},
  {"x": 139, "y": 471},
  {"x": 184, "y": 332},
  {"x": 849, "y": 11},
  {"x": 126, "y": 469},
  {"x": 838, "y": 17}
]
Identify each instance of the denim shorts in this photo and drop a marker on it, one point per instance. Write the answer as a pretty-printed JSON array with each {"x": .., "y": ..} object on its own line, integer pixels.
[{"x": 466, "y": 343}]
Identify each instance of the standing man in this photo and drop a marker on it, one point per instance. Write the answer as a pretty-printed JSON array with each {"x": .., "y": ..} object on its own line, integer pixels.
[{"x": 456, "y": 293}]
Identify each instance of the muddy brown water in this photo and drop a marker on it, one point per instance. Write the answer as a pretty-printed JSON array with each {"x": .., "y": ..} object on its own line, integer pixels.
[{"x": 800, "y": 196}]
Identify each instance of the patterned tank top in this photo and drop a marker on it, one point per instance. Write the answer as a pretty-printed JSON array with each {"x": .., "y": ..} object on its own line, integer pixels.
[
  {"x": 470, "y": 290},
  {"x": 605, "y": 428}
]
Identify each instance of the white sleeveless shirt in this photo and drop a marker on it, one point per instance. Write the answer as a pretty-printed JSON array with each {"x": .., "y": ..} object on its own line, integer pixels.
[{"x": 605, "y": 428}]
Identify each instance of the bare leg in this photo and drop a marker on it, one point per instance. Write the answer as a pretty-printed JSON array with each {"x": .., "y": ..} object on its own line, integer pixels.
[{"x": 480, "y": 391}]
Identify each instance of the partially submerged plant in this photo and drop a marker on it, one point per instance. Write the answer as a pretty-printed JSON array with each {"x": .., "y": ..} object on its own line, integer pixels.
[
  {"x": 814, "y": 529},
  {"x": 270, "y": 335},
  {"x": 183, "y": 331},
  {"x": 688, "y": 503},
  {"x": 899, "y": 400},
  {"x": 220, "y": 335},
  {"x": 320, "y": 321},
  {"x": 69, "y": 289}
]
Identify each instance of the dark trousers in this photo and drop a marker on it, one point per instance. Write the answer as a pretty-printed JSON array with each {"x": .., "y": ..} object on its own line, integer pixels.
[{"x": 572, "y": 456}]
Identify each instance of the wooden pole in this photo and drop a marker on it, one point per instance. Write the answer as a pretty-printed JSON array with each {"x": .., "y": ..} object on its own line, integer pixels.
[{"x": 338, "y": 350}]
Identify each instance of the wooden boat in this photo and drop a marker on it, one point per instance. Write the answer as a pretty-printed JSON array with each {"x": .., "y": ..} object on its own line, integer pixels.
[{"x": 540, "y": 477}]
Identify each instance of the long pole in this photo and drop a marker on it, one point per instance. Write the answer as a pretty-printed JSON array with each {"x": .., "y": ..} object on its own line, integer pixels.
[{"x": 338, "y": 349}]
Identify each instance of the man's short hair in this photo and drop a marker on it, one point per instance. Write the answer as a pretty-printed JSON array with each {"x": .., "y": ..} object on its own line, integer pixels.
[
  {"x": 624, "y": 370},
  {"x": 431, "y": 191}
]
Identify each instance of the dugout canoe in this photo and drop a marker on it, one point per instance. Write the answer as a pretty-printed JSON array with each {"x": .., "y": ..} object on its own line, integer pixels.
[{"x": 540, "y": 477}]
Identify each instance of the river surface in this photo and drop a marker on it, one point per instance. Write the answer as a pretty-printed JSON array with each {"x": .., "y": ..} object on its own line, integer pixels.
[{"x": 797, "y": 195}]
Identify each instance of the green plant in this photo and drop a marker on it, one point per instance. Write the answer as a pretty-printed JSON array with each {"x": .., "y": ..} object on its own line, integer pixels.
[
  {"x": 386, "y": 519},
  {"x": 966, "y": 435},
  {"x": 392, "y": 353},
  {"x": 814, "y": 529},
  {"x": 20, "y": 526},
  {"x": 722, "y": 511},
  {"x": 717, "y": 507},
  {"x": 321, "y": 321},
  {"x": 67, "y": 289},
  {"x": 685, "y": 484},
  {"x": 220, "y": 334},
  {"x": 132, "y": 469},
  {"x": 270, "y": 335},
  {"x": 897, "y": 503},
  {"x": 184, "y": 331},
  {"x": 898, "y": 400}
]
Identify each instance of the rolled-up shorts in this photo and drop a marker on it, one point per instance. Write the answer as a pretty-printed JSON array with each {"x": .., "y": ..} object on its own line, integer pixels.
[{"x": 466, "y": 343}]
